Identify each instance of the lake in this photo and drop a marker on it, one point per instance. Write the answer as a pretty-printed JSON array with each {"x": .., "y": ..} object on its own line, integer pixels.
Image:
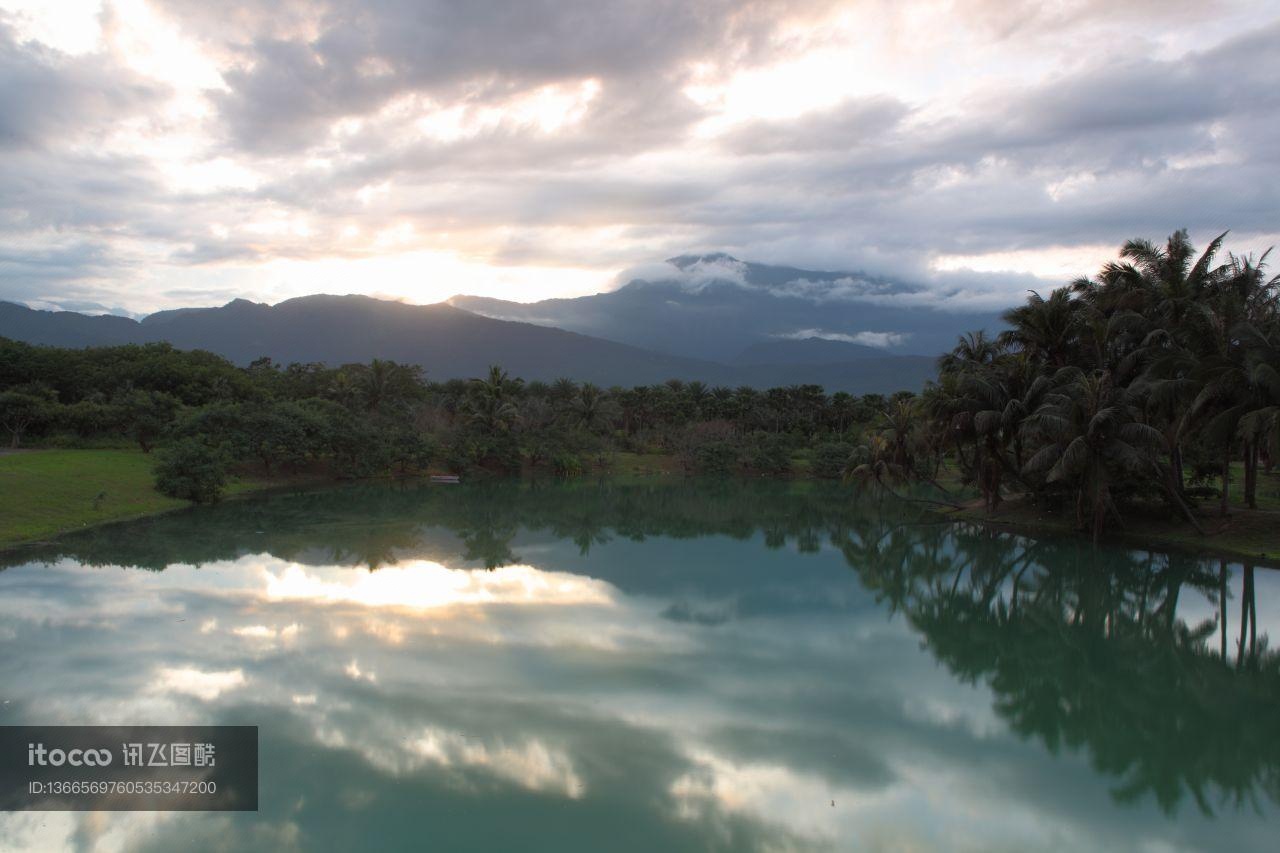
[{"x": 656, "y": 666}]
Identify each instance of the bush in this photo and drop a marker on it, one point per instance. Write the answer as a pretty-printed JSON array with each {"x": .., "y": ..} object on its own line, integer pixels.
[
  {"x": 191, "y": 471},
  {"x": 358, "y": 448},
  {"x": 472, "y": 449},
  {"x": 566, "y": 465},
  {"x": 829, "y": 459},
  {"x": 716, "y": 457},
  {"x": 767, "y": 454},
  {"x": 411, "y": 451},
  {"x": 27, "y": 407},
  {"x": 147, "y": 415}
]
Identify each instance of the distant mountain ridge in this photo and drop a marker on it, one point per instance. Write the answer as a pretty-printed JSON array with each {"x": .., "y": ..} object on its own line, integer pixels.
[
  {"x": 715, "y": 306},
  {"x": 700, "y": 316},
  {"x": 447, "y": 341}
]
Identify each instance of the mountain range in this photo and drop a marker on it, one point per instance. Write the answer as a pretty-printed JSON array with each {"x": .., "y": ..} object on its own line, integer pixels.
[
  {"x": 711, "y": 318},
  {"x": 715, "y": 306}
]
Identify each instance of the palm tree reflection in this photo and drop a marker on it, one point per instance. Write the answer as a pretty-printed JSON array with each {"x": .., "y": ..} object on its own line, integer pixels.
[{"x": 1083, "y": 649}]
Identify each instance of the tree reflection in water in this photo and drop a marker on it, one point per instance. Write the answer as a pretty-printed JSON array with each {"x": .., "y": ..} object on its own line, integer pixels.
[{"x": 1083, "y": 649}]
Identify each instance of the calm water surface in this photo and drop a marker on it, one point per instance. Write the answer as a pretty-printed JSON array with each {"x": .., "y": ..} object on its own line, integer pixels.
[{"x": 699, "y": 665}]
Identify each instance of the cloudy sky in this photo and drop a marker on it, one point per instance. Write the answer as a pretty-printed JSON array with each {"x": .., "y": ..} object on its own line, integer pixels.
[{"x": 159, "y": 153}]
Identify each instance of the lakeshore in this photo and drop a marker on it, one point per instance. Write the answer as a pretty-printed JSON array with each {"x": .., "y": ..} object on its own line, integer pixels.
[
  {"x": 47, "y": 493},
  {"x": 1245, "y": 534}
]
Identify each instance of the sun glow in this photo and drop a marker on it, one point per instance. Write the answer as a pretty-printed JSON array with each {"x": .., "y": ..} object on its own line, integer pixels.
[
  {"x": 71, "y": 26},
  {"x": 190, "y": 157},
  {"x": 424, "y": 585},
  {"x": 422, "y": 276}
]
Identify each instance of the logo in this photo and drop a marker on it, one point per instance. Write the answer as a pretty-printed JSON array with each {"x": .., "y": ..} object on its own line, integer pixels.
[{"x": 38, "y": 755}]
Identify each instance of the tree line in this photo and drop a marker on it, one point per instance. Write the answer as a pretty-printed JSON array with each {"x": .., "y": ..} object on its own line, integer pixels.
[
  {"x": 1142, "y": 384},
  {"x": 207, "y": 415},
  {"x": 1145, "y": 382}
]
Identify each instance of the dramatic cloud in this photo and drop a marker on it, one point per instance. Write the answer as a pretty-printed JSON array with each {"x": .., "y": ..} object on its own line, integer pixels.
[
  {"x": 45, "y": 97},
  {"x": 155, "y": 150}
]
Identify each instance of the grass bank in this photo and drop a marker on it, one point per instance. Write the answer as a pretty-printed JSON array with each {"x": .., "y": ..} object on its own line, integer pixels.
[
  {"x": 47, "y": 492},
  {"x": 1247, "y": 534}
]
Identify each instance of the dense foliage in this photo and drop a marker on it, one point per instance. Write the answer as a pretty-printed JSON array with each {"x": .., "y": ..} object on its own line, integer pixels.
[
  {"x": 1146, "y": 381},
  {"x": 366, "y": 419},
  {"x": 191, "y": 470}
]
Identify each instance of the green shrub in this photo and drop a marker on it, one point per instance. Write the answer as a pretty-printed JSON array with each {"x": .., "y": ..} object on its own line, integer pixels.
[
  {"x": 410, "y": 451},
  {"x": 147, "y": 415},
  {"x": 192, "y": 471},
  {"x": 767, "y": 454},
  {"x": 716, "y": 457},
  {"x": 566, "y": 465},
  {"x": 829, "y": 459}
]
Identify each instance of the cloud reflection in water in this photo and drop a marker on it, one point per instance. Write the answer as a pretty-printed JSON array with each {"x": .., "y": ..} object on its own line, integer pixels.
[{"x": 569, "y": 700}]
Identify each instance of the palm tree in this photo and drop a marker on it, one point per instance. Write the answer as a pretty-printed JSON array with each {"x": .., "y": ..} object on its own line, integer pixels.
[
  {"x": 1180, "y": 289},
  {"x": 491, "y": 401},
  {"x": 722, "y": 405},
  {"x": 841, "y": 409},
  {"x": 872, "y": 463},
  {"x": 1094, "y": 442},
  {"x": 386, "y": 384},
  {"x": 984, "y": 394},
  {"x": 973, "y": 350},
  {"x": 994, "y": 406},
  {"x": 1168, "y": 386},
  {"x": 1235, "y": 382},
  {"x": 1162, "y": 344},
  {"x": 898, "y": 426},
  {"x": 747, "y": 400},
  {"x": 644, "y": 398},
  {"x": 562, "y": 391},
  {"x": 591, "y": 407},
  {"x": 1260, "y": 428},
  {"x": 1046, "y": 329},
  {"x": 696, "y": 393}
]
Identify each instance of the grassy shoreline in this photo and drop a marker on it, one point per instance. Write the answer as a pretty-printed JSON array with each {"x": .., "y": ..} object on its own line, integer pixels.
[
  {"x": 1245, "y": 535},
  {"x": 45, "y": 493}
]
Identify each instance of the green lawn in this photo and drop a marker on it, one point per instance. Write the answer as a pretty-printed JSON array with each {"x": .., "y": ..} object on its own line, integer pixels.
[
  {"x": 1268, "y": 487},
  {"x": 644, "y": 464},
  {"x": 46, "y": 492}
]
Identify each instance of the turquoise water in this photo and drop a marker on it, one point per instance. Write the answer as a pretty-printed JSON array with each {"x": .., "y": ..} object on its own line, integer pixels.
[{"x": 702, "y": 665}]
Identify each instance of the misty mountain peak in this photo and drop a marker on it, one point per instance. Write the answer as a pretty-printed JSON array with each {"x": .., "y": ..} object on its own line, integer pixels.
[
  {"x": 686, "y": 261},
  {"x": 714, "y": 306}
]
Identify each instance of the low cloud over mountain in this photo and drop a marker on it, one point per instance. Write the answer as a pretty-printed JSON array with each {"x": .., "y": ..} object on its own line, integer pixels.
[{"x": 715, "y": 306}]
